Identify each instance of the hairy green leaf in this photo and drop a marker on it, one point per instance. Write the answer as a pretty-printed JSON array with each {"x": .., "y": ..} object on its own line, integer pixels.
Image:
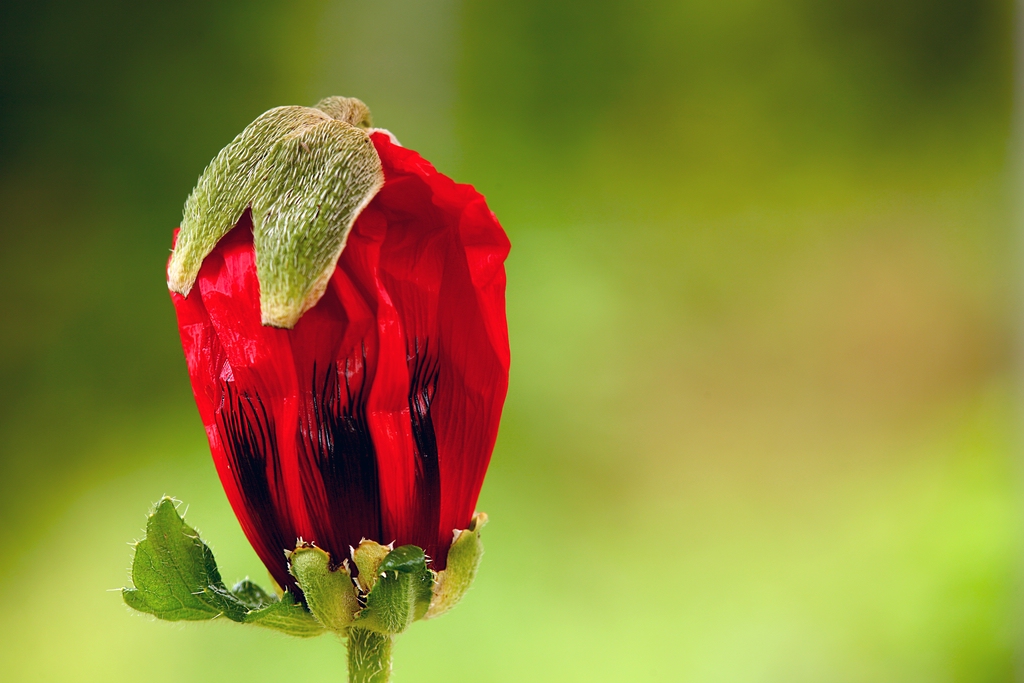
[
  {"x": 175, "y": 578},
  {"x": 175, "y": 575}
]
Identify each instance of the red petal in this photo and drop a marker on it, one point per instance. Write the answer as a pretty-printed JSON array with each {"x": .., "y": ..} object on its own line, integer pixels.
[{"x": 442, "y": 264}]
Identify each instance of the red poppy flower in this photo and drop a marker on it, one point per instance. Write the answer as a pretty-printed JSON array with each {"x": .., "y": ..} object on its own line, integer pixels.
[{"x": 375, "y": 416}]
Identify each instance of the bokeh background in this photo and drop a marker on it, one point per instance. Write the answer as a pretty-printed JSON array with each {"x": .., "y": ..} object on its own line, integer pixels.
[{"x": 762, "y": 418}]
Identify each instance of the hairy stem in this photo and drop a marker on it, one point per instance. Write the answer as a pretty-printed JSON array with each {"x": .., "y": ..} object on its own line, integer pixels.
[{"x": 369, "y": 656}]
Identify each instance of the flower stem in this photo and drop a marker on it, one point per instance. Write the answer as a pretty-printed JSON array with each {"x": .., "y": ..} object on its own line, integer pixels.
[{"x": 369, "y": 656}]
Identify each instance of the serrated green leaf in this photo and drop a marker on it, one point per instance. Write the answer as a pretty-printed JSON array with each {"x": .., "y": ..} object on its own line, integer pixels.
[
  {"x": 175, "y": 575},
  {"x": 401, "y": 593},
  {"x": 175, "y": 578},
  {"x": 285, "y": 615}
]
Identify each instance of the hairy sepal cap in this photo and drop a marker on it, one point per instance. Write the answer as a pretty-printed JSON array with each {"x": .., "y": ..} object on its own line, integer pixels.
[
  {"x": 463, "y": 561},
  {"x": 305, "y": 173}
]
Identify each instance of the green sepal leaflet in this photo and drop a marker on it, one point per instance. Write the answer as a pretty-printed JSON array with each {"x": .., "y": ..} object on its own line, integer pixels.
[{"x": 401, "y": 594}]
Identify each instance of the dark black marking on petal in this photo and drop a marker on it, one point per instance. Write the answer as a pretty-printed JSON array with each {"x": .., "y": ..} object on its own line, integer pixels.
[
  {"x": 424, "y": 366},
  {"x": 250, "y": 445},
  {"x": 346, "y": 507}
]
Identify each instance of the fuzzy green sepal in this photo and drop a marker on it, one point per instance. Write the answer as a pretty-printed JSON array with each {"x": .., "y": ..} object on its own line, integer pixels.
[
  {"x": 330, "y": 593},
  {"x": 305, "y": 173},
  {"x": 401, "y": 593},
  {"x": 463, "y": 561}
]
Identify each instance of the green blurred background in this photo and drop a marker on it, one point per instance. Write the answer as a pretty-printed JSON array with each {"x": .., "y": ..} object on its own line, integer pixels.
[{"x": 762, "y": 417}]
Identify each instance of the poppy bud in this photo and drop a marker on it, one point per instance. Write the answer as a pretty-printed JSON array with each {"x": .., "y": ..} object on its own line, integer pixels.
[{"x": 341, "y": 308}]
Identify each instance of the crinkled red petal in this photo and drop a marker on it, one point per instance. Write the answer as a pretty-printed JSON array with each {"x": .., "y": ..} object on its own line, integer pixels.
[
  {"x": 442, "y": 265},
  {"x": 376, "y": 415}
]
